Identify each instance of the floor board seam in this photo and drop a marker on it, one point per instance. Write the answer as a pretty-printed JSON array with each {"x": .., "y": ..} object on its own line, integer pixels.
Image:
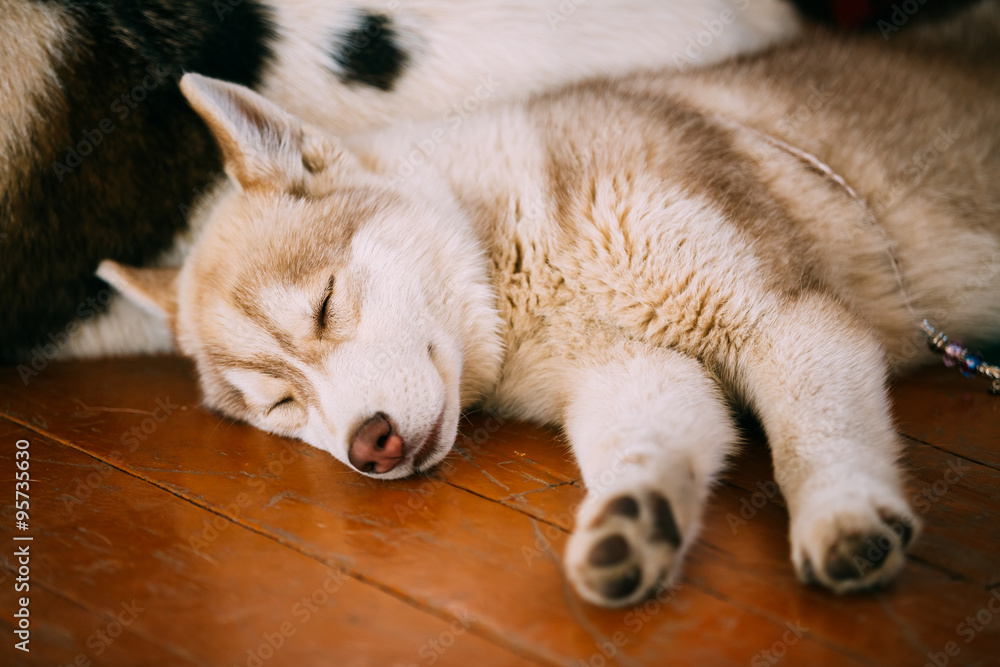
[
  {"x": 939, "y": 448},
  {"x": 497, "y": 641},
  {"x": 509, "y": 506},
  {"x": 951, "y": 574}
]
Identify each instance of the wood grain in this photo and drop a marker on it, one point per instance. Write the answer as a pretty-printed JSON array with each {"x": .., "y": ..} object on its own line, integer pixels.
[{"x": 218, "y": 531}]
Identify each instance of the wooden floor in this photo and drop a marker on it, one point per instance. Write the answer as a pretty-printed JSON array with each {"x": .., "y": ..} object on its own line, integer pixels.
[{"x": 164, "y": 535}]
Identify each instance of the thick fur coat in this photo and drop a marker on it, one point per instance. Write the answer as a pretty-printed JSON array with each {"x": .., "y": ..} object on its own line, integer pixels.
[
  {"x": 100, "y": 156},
  {"x": 617, "y": 258}
]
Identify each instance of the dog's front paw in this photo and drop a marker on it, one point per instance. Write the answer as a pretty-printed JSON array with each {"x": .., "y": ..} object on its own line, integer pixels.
[
  {"x": 624, "y": 546},
  {"x": 852, "y": 542}
]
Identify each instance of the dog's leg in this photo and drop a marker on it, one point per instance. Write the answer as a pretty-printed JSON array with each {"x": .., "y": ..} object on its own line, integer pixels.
[
  {"x": 650, "y": 429},
  {"x": 817, "y": 377}
]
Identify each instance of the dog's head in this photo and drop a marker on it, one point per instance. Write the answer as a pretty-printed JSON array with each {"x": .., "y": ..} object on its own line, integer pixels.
[{"x": 320, "y": 302}]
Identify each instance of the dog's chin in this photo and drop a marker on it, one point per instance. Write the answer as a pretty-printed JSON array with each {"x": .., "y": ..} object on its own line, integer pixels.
[
  {"x": 428, "y": 448},
  {"x": 439, "y": 443}
]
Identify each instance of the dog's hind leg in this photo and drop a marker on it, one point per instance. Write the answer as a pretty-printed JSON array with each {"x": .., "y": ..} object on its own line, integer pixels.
[
  {"x": 816, "y": 376},
  {"x": 650, "y": 430}
]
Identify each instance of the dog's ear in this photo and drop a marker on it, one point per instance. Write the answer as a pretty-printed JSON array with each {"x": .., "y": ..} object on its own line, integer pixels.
[
  {"x": 261, "y": 143},
  {"x": 153, "y": 290}
]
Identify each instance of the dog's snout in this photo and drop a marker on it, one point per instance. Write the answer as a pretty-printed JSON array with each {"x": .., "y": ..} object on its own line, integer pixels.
[{"x": 375, "y": 448}]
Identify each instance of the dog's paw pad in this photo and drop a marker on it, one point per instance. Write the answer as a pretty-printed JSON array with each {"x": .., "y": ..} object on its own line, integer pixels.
[
  {"x": 663, "y": 519},
  {"x": 627, "y": 549},
  {"x": 900, "y": 526},
  {"x": 621, "y": 585},
  {"x": 807, "y": 573},
  {"x": 612, "y": 550},
  {"x": 852, "y": 556},
  {"x": 854, "y": 551},
  {"x": 625, "y": 506}
]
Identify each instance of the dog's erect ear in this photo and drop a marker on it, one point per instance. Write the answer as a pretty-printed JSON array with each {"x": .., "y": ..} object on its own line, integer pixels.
[
  {"x": 153, "y": 290},
  {"x": 261, "y": 143}
]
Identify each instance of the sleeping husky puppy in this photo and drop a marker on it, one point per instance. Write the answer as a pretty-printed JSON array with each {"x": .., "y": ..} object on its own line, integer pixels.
[
  {"x": 617, "y": 258},
  {"x": 100, "y": 156}
]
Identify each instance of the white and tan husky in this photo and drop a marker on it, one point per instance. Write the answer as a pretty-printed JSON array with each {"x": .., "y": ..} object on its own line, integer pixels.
[
  {"x": 342, "y": 65},
  {"x": 616, "y": 258}
]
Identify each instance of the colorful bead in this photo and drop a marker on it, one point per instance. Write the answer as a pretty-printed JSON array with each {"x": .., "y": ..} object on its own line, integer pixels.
[
  {"x": 953, "y": 354},
  {"x": 971, "y": 364}
]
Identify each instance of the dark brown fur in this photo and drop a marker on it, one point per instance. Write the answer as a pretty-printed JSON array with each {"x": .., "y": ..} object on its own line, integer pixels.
[{"x": 127, "y": 199}]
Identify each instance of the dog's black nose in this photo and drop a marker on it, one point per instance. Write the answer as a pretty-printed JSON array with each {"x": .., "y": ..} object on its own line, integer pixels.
[{"x": 375, "y": 448}]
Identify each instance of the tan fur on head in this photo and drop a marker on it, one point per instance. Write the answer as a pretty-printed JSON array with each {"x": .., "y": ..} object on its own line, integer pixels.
[{"x": 279, "y": 276}]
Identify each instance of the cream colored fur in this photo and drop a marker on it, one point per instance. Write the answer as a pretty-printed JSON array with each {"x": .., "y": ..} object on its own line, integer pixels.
[
  {"x": 461, "y": 57},
  {"x": 617, "y": 258}
]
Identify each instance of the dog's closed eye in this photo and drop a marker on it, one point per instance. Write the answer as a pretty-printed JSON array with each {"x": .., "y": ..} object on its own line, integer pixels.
[
  {"x": 323, "y": 311},
  {"x": 287, "y": 401}
]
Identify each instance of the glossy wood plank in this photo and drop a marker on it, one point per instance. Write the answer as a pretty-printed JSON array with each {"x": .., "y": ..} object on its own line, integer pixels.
[
  {"x": 65, "y": 632},
  {"x": 939, "y": 406},
  {"x": 404, "y": 535},
  {"x": 746, "y": 533},
  {"x": 482, "y": 535},
  {"x": 124, "y": 551}
]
